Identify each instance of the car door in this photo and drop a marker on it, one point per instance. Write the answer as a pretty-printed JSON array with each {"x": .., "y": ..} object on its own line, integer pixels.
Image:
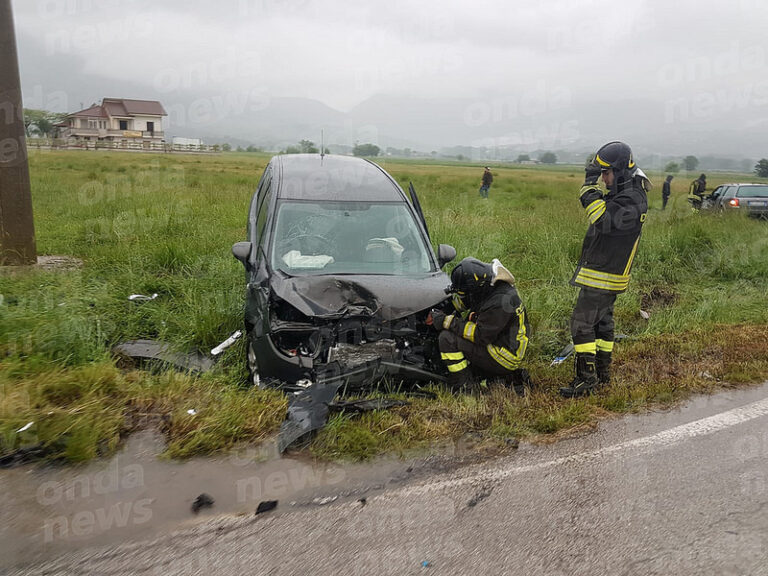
[{"x": 257, "y": 299}]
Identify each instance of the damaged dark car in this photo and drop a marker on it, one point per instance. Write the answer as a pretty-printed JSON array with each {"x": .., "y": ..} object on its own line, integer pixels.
[{"x": 340, "y": 277}]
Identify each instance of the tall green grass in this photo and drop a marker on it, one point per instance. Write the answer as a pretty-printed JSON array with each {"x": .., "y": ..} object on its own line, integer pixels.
[{"x": 165, "y": 224}]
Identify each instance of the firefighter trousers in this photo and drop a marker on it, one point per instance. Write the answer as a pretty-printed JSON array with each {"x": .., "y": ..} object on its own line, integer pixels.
[{"x": 592, "y": 321}]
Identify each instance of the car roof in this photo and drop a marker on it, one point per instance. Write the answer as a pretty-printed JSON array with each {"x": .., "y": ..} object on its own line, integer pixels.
[{"x": 333, "y": 178}]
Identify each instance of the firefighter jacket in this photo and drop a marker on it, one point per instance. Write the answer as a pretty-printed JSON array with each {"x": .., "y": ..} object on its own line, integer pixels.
[
  {"x": 499, "y": 324},
  {"x": 610, "y": 245}
]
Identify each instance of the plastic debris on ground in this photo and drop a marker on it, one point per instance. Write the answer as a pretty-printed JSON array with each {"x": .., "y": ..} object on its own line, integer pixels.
[
  {"x": 141, "y": 297},
  {"x": 266, "y": 506},
  {"x": 202, "y": 501},
  {"x": 234, "y": 337}
]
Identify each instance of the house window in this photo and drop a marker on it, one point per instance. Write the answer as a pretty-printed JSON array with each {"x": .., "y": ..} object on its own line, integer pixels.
[
  {"x": 150, "y": 126},
  {"x": 123, "y": 124}
]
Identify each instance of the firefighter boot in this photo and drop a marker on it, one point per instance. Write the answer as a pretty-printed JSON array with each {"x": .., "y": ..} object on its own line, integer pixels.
[
  {"x": 603, "y": 365},
  {"x": 460, "y": 381},
  {"x": 585, "y": 381}
]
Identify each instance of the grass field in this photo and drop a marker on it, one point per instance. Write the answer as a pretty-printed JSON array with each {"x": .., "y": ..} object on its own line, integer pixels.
[{"x": 165, "y": 224}]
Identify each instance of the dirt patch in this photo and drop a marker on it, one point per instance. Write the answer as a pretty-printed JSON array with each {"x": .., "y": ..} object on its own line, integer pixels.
[
  {"x": 658, "y": 297},
  {"x": 47, "y": 262}
]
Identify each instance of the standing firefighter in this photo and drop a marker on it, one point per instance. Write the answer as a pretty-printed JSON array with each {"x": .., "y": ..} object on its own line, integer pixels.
[
  {"x": 696, "y": 192},
  {"x": 486, "y": 182},
  {"x": 616, "y": 219},
  {"x": 493, "y": 336}
]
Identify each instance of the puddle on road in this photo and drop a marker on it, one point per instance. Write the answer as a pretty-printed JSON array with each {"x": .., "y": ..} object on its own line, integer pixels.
[{"x": 48, "y": 510}]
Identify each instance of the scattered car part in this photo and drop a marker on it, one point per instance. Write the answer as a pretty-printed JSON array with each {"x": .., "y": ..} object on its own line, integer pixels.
[
  {"x": 155, "y": 353},
  {"x": 234, "y": 337},
  {"x": 266, "y": 506},
  {"x": 202, "y": 501},
  {"x": 141, "y": 297}
]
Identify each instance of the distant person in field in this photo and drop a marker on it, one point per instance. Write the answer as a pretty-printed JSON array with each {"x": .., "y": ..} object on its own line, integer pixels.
[
  {"x": 665, "y": 191},
  {"x": 696, "y": 192},
  {"x": 616, "y": 218},
  {"x": 486, "y": 183}
]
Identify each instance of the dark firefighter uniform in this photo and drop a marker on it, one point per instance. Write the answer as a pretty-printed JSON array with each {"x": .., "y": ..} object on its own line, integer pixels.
[
  {"x": 493, "y": 335},
  {"x": 697, "y": 191},
  {"x": 610, "y": 245}
]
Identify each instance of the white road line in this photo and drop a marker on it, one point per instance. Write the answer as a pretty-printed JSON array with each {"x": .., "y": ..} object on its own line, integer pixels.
[{"x": 694, "y": 429}]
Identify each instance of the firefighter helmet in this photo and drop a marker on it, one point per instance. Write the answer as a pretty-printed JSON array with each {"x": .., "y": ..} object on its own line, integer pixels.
[
  {"x": 471, "y": 275},
  {"x": 615, "y": 155}
]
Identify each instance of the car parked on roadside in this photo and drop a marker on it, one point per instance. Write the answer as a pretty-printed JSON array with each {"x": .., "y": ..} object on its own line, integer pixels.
[
  {"x": 340, "y": 276},
  {"x": 751, "y": 198}
]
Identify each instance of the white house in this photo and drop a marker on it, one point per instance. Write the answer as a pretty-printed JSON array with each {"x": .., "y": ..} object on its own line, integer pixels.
[{"x": 116, "y": 120}]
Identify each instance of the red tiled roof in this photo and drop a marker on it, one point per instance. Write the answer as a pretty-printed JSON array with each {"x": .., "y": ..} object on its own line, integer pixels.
[
  {"x": 94, "y": 111},
  {"x": 134, "y": 107}
]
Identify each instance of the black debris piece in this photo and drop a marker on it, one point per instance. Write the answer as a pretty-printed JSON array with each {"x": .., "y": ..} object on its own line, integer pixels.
[
  {"x": 202, "y": 501},
  {"x": 307, "y": 411},
  {"x": 363, "y": 501},
  {"x": 367, "y": 405},
  {"x": 266, "y": 506}
]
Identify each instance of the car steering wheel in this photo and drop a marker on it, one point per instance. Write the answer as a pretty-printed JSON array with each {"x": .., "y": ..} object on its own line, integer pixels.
[{"x": 315, "y": 243}]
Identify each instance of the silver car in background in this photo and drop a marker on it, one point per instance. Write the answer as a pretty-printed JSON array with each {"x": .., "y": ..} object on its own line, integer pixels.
[{"x": 749, "y": 197}]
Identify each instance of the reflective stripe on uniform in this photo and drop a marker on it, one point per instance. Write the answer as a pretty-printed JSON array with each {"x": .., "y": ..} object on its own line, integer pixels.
[
  {"x": 604, "y": 280},
  {"x": 469, "y": 331},
  {"x": 447, "y": 322},
  {"x": 604, "y": 345},
  {"x": 595, "y": 209},
  {"x": 631, "y": 257},
  {"x": 509, "y": 360},
  {"x": 452, "y": 355},
  {"x": 458, "y": 367},
  {"x": 586, "y": 348}
]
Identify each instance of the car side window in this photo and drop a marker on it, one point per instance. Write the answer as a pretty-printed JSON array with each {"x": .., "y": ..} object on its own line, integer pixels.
[{"x": 261, "y": 219}]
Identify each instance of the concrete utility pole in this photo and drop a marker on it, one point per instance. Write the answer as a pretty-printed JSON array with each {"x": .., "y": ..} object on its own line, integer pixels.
[{"x": 17, "y": 230}]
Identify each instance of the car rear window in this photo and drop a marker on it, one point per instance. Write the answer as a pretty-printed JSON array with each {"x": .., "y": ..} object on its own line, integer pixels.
[
  {"x": 348, "y": 238},
  {"x": 752, "y": 192}
]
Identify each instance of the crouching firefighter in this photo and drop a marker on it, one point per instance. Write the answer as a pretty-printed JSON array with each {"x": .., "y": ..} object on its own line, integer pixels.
[
  {"x": 487, "y": 335},
  {"x": 615, "y": 218}
]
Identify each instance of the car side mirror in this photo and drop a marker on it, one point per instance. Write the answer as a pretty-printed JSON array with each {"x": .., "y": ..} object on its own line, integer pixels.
[
  {"x": 445, "y": 253},
  {"x": 242, "y": 251}
]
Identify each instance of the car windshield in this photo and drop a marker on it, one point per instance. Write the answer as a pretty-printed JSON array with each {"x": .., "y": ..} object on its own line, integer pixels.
[
  {"x": 348, "y": 238},
  {"x": 752, "y": 192}
]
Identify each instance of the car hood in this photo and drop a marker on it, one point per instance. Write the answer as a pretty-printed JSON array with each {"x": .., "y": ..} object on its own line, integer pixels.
[{"x": 390, "y": 297}]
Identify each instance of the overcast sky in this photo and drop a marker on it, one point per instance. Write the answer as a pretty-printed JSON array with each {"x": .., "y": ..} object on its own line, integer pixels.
[{"x": 342, "y": 53}]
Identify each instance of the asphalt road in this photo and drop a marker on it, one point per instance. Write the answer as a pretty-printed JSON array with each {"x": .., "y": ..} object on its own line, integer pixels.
[{"x": 679, "y": 492}]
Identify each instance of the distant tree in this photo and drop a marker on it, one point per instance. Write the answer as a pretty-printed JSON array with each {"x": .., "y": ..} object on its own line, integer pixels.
[
  {"x": 327, "y": 150},
  {"x": 672, "y": 167},
  {"x": 690, "y": 163},
  {"x": 308, "y": 147},
  {"x": 41, "y": 122},
  {"x": 548, "y": 158},
  {"x": 761, "y": 168},
  {"x": 460, "y": 157},
  {"x": 291, "y": 150},
  {"x": 216, "y": 147},
  {"x": 523, "y": 158},
  {"x": 226, "y": 147},
  {"x": 239, "y": 149},
  {"x": 366, "y": 150},
  {"x": 253, "y": 148}
]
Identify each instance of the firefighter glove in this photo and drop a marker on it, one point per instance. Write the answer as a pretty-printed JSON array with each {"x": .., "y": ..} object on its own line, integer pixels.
[
  {"x": 591, "y": 173},
  {"x": 440, "y": 320}
]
